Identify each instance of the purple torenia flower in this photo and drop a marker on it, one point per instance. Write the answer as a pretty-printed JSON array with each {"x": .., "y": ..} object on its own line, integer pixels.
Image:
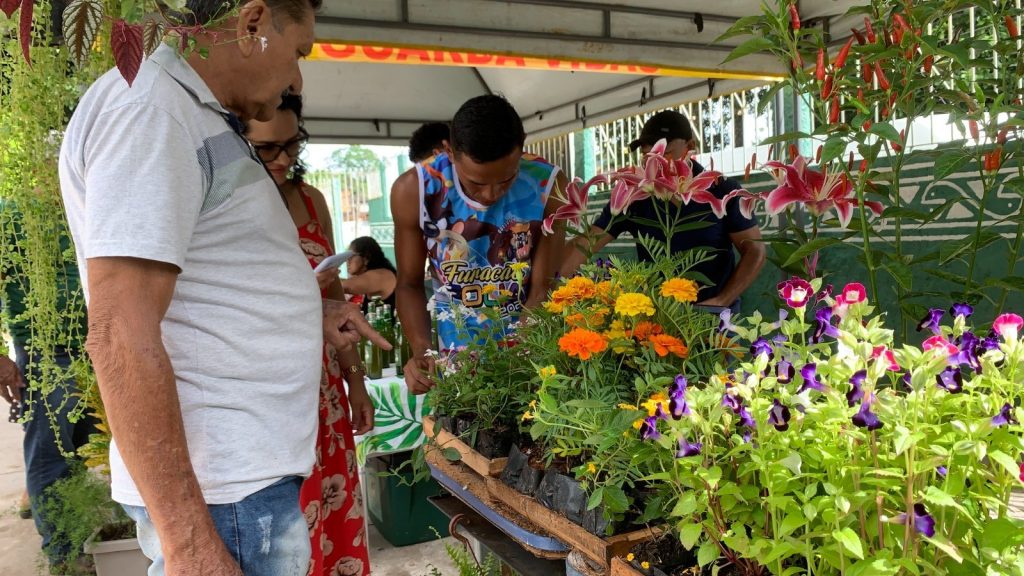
[
  {"x": 961, "y": 309},
  {"x": 865, "y": 418},
  {"x": 678, "y": 387},
  {"x": 991, "y": 342},
  {"x": 761, "y": 346},
  {"x": 649, "y": 428},
  {"x": 686, "y": 449},
  {"x": 678, "y": 407},
  {"x": 969, "y": 345},
  {"x": 778, "y": 416},
  {"x": 942, "y": 471},
  {"x": 784, "y": 371},
  {"x": 931, "y": 321},
  {"x": 1004, "y": 417},
  {"x": 856, "y": 393},
  {"x": 725, "y": 321},
  {"x": 659, "y": 412},
  {"x": 923, "y": 521},
  {"x": 825, "y": 327},
  {"x": 951, "y": 380},
  {"x": 796, "y": 292},
  {"x": 745, "y": 418},
  {"x": 731, "y": 401},
  {"x": 811, "y": 381}
]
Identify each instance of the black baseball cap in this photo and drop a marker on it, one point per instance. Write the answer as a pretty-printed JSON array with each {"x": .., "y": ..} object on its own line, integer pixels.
[{"x": 667, "y": 124}]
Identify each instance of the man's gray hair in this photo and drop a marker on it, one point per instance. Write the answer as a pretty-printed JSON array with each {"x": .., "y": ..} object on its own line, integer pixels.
[{"x": 205, "y": 11}]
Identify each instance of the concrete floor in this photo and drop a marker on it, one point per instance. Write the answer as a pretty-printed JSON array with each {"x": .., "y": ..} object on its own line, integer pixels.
[{"x": 19, "y": 543}]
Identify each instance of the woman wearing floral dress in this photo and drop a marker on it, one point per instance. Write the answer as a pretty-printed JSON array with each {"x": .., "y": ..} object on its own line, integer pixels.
[{"x": 330, "y": 497}]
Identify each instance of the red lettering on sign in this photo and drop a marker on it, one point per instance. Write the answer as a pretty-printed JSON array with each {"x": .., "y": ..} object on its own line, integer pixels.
[
  {"x": 595, "y": 66},
  {"x": 405, "y": 53},
  {"x": 455, "y": 56},
  {"x": 504, "y": 60},
  {"x": 339, "y": 51},
  {"x": 479, "y": 59},
  {"x": 374, "y": 53}
]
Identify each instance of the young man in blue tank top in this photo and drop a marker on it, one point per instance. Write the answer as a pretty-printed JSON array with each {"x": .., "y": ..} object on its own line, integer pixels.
[{"x": 474, "y": 212}]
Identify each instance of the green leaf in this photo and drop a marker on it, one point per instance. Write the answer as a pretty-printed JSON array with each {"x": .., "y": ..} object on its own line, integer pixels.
[
  {"x": 779, "y": 551},
  {"x": 935, "y": 495},
  {"x": 850, "y": 541},
  {"x": 885, "y": 130},
  {"x": 1006, "y": 462},
  {"x": 689, "y": 534},
  {"x": 451, "y": 454},
  {"x": 708, "y": 553},
  {"x": 834, "y": 148},
  {"x": 810, "y": 248},
  {"x": 792, "y": 463},
  {"x": 742, "y": 27},
  {"x": 791, "y": 523},
  {"x": 1001, "y": 534},
  {"x": 950, "y": 163},
  {"x": 946, "y": 546},
  {"x": 595, "y": 498},
  {"x": 687, "y": 505},
  {"x": 615, "y": 499},
  {"x": 751, "y": 46},
  {"x": 713, "y": 475}
]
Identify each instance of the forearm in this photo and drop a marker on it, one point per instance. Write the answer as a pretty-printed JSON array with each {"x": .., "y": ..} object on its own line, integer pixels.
[
  {"x": 412, "y": 311},
  {"x": 747, "y": 269},
  {"x": 349, "y": 358},
  {"x": 139, "y": 392},
  {"x": 574, "y": 255}
]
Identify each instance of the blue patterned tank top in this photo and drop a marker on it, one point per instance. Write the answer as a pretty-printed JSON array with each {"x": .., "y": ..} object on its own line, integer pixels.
[{"x": 480, "y": 256}]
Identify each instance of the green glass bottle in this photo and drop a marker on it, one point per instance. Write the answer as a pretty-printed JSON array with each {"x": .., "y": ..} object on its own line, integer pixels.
[
  {"x": 400, "y": 348},
  {"x": 375, "y": 360},
  {"x": 404, "y": 349},
  {"x": 388, "y": 325}
]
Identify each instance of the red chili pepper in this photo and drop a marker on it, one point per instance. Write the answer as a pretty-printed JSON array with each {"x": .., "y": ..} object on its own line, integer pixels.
[
  {"x": 929, "y": 61},
  {"x": 897, "y": 36},
  {"x": 892, "y": 99},
  {"x": 849, "y": 165},
  {"x": 844, "y": 52},
  {"x": 898, "y": 146},
  {"x": 833, "y": 112},
  {"x": 885, "y": 113},
  {"x": 826, "y": 88},
  {"x": 1011, "y": 26},
  {"x": 817, "y": 155},
  {"x": 864, "y": 165},
  {"x": 866, "y": 72},
  {"x": 794, "y": 17},
  {"x": 819, "y": 67},
  {"x": 1001, "y": 137},
  {"x": 753, "y": 158},
  {"x": 746, "y": 173},
  {"x": 994, "y": 159},
  {"x": 869, "y": 30},
  {"x": 793, "y": 152},
  {"x": 900, "y": 22},
  {"x": 866, "y": 125},
  {"x": 860, "y": 95},
  {"x": 858, "y": 36},
  {"x": 972, "y": 125},
  {"x": 883, "y": 82}
]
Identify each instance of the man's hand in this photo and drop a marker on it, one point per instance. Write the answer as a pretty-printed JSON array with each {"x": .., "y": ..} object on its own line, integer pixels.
[
  {"x": 215, "y": 560},
  {"x": 714, "y": 301},
  {"x": 326, "y": 278},
  {"x": 362, "y": 410},
  {"x": 419, "y": 373},
  {"x": 11, "y": 382},
  {"x": 345, "y": 326}
]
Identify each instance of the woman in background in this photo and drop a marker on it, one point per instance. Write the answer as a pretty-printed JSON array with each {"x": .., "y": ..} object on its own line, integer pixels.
[
  {"x": 330, "y": 497},
  {"x": 370, "y": 273}
]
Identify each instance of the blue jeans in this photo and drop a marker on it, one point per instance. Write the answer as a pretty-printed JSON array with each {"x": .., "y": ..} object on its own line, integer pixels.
[
  {"x": 266, "y": 532},
  {"x": 48, "y": 432}
]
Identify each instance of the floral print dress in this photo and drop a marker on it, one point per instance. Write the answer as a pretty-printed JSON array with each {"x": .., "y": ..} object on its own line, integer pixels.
[{"x": 330, "y": 498}]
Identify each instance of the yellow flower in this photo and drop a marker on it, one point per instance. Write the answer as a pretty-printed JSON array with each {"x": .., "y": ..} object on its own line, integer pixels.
[
  {"x": 547, "y": 372},
  {"x": 657, "y": 399},
  {"x": 527, "y": 416},
  {"x": 533, "y": 403},
  {"x": 519, "y": 267},
  {"x": 554, "y": 307},
  {"x": 682, "y": 289},
  {"x": 630, "y": 557},
  {"x": 591, "y": 468},
  {"x": 617, "y": 331},
  {"x": 638, "y": 423},
  {"x": 633, "y": 304},
  {"x": 645, "y": 565},
  {"x": 627, "y": 407}
]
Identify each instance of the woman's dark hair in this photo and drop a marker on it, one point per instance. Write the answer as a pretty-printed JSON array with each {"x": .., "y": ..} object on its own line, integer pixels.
[
  {"x": 368, "y": 248},
  {"x": 487, "y": 128},
  {"x": 293, "y": 103},
  {"x": 426, "y": 139}
]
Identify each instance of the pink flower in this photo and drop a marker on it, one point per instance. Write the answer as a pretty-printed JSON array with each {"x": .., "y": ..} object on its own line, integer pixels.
[
  {"x": 796, "y": 292},
  {"x": 818, "y": 191},
  {"x": 1008, "y": 326},
  {"x": 887, "y": 354},
  {"x": 624, "y": 195},
  {"x": 853, "y": 293},
  {"x": 576, "y": 197},
  {"x": 940, "y": 343}
]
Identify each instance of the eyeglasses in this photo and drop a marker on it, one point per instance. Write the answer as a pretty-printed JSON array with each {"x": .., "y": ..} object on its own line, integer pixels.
[{"x": 293, "y": 148}]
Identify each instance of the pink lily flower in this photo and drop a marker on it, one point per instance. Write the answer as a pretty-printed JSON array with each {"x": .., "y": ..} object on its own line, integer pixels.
[
  {"x": 624, "y": 195},
  {"x": 577, "y": 195},
  {"x": 818, "y": 191}
]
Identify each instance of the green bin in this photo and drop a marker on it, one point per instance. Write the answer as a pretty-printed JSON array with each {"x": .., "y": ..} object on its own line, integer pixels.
[{"x": 400, "y": 511}]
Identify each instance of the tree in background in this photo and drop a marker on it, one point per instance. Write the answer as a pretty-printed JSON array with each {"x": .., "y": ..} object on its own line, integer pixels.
[{"x": 355, "y": 159}]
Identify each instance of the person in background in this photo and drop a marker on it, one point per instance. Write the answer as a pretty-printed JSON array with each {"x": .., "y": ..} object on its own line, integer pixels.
[
  {"x": 428, "y": 140},
  {"x": 330, "y": 498},
  {"x": 370, "y": 273},
  {"x": 52, "y": 439},
  {"x": 729, "y": 277},
  {"x": 206, "y": 328},
  {"x": 476, "y": 212}
]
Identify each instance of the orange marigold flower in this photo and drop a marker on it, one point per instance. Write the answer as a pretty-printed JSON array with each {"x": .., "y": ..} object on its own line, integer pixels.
[
  {"x": 576, "y": 320},
  {"x": 605, "y": 291},
  {"x": 664, "y": 345},
  {"x": 682, "y": 289},
  {"x": 582, "y": 343},
  {"x": 554, "y": 307},
  {"x": 646, "y": 329},
  {"x": 581, "y": 287}
]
